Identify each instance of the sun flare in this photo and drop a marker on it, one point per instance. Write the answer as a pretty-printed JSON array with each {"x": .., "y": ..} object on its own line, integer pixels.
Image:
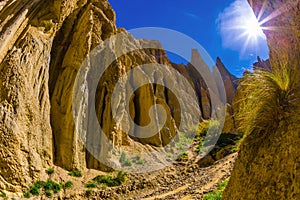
[
  {"x": 253, "y": 29},
  {"x": 249, "y": 31},
  {"x": 243, "y": 30}
]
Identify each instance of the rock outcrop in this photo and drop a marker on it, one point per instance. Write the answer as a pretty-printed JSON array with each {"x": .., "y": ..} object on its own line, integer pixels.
[
  {"x": 268, "y": 163},
  {"x": 189, "y": 71},
  {"x": 230, "y": 81},
  {"x": 25, "y": 131},
  {"x": 263, "y": 65},
  {"x": 81, "y": 31},
  {"x": 42, "y": 45}
]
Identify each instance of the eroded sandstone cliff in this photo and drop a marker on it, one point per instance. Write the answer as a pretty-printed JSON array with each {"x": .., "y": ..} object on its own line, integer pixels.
[{"x": 38, "y": 39}]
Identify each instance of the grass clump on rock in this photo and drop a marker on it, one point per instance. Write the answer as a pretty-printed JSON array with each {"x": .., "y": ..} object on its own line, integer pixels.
[
  {"x": 3, "y": 195},
  {"x": 75, "y": 173},
  {"x": 217, "y": 193},
  {"x": 46, "y": 187},
  {"x": 183, "y": 156},
  {"x": 26, "y": 195},
  {"x": 138, "y": 160},
  {"x": 68, "y": 185},
  {"x": 265, "y": 99},
  {"x": 124, "y": 160},
  {"x": 50, "y": 171},
  {"x": 111, "y": 181},
  {"x": 89, "y": 192},
  {"x": 48, "y": 193},
  {"x": 92, "y": 184}
]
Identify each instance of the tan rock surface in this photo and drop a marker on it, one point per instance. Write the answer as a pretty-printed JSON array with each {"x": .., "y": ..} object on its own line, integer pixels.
[
  {"x": 230, "y": 81},
  {"x": 268, "y": 163}
]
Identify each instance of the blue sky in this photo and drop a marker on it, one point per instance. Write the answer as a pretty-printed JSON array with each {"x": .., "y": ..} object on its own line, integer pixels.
[{"x": 213, "y": 24}]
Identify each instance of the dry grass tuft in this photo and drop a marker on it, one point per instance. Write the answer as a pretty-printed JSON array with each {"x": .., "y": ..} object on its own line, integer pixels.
[{"x": 265, "y": 99}]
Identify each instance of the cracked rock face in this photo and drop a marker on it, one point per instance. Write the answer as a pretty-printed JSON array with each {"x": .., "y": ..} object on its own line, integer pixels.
[
  {"x": 25, "y": 131},
  {"x": 32, "y": 34}
]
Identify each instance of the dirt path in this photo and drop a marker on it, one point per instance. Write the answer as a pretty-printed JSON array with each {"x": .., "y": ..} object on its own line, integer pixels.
[
  {"x": 169, "y": 193},
  {"x": 182, "y": 180},
  {"x": 195, "y": 183}
]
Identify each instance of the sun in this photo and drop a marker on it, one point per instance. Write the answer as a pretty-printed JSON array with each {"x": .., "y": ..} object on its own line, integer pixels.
[
  {"x": 249, "y": 32},
  {"x": 243, "y": 29},
  {"x": 252, "y": 28}
]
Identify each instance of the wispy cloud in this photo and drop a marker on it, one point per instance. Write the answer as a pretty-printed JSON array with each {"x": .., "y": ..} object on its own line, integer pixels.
[{"x": 192, "y": 15}]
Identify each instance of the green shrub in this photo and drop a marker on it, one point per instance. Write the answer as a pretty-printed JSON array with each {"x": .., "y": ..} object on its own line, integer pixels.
[
  {"x": 39, "y": 184},
  {"x": 51, "y": 185},
  {"x": 179, "y": 146},
  {"x": 138, "y": 159},
  {"x": 203, "y": 128},
  {"x": 91, "y": 184},
  {"x": 183, "y": 156},
  {"x": 3, "y": 195},
  {"x": 56, "y": 187},
  {"x": 102, "y": 179},
  {"x": 68, "y": 184},
  {"x": 184, "y": 141},
  {"x": 128, "y": 163},
  {"x": 110, "y": 181},
  {"x": 50, "y": 171},
  {"x": 122, "y": 157},
  {"x": 234, "y": 149},
  {"x": 48, "y": 185},
  {"x": 223, "y": 184},
  {"x": 217, "y": 193},
  {"x": 213, "y": 196},
  {"x": 45, "y": 186},
  {"x": 26, "y": 195},
  {"x": 103, "y": 187},
  {"x": 211, "y": 126},
  {"x": 75, "y": 173},
  {"x": 34, "y": 190},
  {"x": 169, "y": 155},
  {"x": 140, "y": 162},
  {"x": 89, "y": 192},
  {"x": 124, "y": 161},
  {"x": 199, "y": 146},
  {"x": 121, "y": 177},
  {"x": 48, "y": 193}
]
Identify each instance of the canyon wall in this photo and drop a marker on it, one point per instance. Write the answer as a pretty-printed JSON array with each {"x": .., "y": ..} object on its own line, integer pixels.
[
  {"x": 43, "y": 45},
  {"x": 268, "y": 163}
]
